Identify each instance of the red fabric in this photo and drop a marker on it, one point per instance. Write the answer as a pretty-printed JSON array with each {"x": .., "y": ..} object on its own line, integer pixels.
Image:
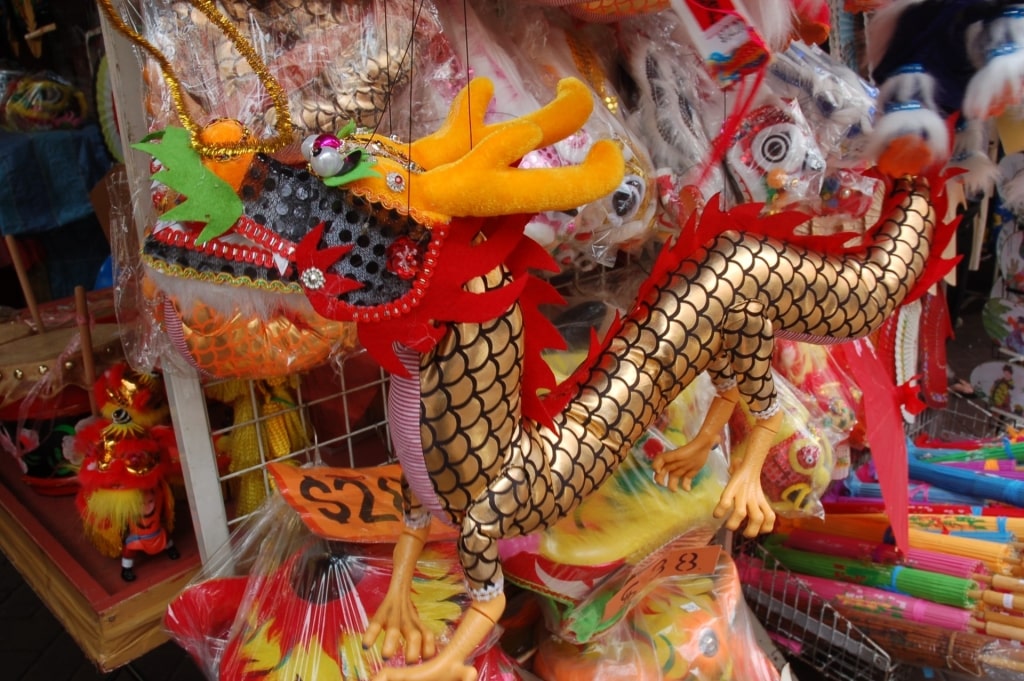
[{"x": 884, "y": 433}]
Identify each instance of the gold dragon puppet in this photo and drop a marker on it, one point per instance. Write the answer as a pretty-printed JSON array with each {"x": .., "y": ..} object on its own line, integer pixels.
[{"x": 421, "y": 245}]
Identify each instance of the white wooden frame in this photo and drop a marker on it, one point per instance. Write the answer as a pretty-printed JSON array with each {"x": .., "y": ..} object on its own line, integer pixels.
[{"x": 184, "y": 393}]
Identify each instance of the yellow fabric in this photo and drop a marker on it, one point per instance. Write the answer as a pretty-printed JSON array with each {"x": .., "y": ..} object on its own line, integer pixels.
[
  {"x": 1010, "y": 127},
  {"x": 107, "y": 514},
  {"x": 467, "y": 167}
]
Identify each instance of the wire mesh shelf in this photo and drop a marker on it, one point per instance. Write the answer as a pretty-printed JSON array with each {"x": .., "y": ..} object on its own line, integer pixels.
[
  {"x": 807, "y": 628},
  {"x": 340, "y": 410},
  {"x": 964, "y": 418}
]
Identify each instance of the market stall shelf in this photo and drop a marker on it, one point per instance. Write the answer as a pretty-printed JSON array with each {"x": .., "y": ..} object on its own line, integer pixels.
[{"x": 113, "y": 623}]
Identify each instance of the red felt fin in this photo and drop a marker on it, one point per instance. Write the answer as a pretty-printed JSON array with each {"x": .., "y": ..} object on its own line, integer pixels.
[{"x": 885, "y": 434}]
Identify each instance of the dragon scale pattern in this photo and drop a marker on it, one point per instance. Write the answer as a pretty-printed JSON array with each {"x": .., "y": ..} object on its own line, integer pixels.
[{"x": 497, "y": 476}]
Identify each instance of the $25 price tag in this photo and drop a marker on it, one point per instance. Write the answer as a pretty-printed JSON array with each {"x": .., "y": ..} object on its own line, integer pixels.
[{"x": 349, "y": 504}]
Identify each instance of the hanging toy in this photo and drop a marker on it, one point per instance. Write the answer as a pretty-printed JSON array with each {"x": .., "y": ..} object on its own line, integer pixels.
[{"x": 934, "y": 59}]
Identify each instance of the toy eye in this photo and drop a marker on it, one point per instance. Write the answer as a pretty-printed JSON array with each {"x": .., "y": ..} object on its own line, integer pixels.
[
  {"x": 307, "y": 146},
  {"x": 779, "y": 146},
  {"x": 626, "y": 199},
  {"x": 708, "y": 644},
  {"x": 326, "y": 161},
  {"x": 827, "y": 103},
  {"x": 808, "y": 456},
  {"x": 120, "y": 416}
]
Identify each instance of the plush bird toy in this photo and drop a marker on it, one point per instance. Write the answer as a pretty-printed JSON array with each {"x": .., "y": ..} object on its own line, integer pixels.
[{"x": 935, "y": 59}]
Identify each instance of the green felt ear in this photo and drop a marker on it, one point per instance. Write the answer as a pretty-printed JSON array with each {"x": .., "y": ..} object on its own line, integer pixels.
[{"x": 208, "y": 198}]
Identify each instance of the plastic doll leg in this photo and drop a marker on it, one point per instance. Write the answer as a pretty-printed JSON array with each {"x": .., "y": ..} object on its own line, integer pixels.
[
  {"x": 748, "y": 336},
  {"x": 478, "y": 551},
  {"x": 128, "y": 565},
  {"x": 396, "y": 618},
  {"x": 748, "y": 344},
  {"x": 743, "y": 497}
]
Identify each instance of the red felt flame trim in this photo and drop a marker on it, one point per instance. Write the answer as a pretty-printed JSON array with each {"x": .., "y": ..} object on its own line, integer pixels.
[{"x": 472, "y": 248}]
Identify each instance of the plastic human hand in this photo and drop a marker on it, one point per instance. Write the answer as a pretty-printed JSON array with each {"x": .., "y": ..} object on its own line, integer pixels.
[
  {"x": 743, "y": 498},
  {"x": 681, "y": 465}
]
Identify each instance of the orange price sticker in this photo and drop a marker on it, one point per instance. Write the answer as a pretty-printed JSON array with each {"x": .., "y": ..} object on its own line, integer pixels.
[
  {"x": 668, "y": 562},
  {"x": 348, "y": 504}
]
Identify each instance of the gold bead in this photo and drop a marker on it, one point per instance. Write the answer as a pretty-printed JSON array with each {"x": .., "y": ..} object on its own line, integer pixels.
[
  {"x": 69, "y": 365},
  {"x": 19, "y": 374},
  {"x": 43, "y": 369}
]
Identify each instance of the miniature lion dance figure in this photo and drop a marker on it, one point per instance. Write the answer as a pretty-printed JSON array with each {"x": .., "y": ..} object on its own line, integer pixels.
[{"x": 125, "y": 498}]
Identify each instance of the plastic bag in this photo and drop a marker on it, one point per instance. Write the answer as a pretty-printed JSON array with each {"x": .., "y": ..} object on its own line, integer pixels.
[
  {"x": 837, "y": 103},
  {"x": 827, "y": 390},
  {"x": 695, "y": 627},
  {"x": 525, "y": 53},
  {"x": 672, "y": 101},
  {"x": 336, "y": 62},
  {"x": 279, "y": 601},
  {"x": 799, "y": 465}
]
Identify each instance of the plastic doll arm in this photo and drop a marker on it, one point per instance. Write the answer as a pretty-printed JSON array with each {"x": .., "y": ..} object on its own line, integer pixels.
[{"x": 682, "y": 464}]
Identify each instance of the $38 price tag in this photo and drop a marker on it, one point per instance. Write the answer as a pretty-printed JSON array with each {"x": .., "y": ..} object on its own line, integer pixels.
[{"x": 668, "y": 562}]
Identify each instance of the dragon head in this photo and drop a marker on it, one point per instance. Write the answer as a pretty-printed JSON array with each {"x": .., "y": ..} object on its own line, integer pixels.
[{"x": 366, "y": 229}]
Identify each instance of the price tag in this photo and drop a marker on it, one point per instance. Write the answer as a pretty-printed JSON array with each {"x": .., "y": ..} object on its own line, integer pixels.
[
  {"x": 349, "y": 504},
  {"x": 668, "y": 562}
]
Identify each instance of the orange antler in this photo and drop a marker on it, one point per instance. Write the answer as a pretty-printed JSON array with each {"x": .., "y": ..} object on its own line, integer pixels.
[{"x": 467, "y": 168}]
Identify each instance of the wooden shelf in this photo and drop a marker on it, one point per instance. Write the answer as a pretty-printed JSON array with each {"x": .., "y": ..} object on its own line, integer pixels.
[{"x": 112, "y": 621}]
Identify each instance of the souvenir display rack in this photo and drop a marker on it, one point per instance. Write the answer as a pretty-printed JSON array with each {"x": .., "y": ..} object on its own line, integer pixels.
[
  {"x": 113, "y": 622},
  {"x": 799, "y": 622},
  {"x": 806, "y": 627},
  {"x": 963, "y": 417}
]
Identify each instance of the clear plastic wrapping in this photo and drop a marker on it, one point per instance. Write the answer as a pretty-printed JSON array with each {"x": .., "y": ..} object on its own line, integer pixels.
[
  {"x": 279, "y": 601},
  {"x": 695, "y": 627},
  {"x": 525, "y": 52}
]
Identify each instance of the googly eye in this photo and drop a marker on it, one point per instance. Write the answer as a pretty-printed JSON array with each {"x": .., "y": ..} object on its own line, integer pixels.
[
  {"x": 326, "y": 161},
  {"x": 626, "y": 199},
  {"x": 323, "y": 152},
  {"x": 307, "y": 147}
]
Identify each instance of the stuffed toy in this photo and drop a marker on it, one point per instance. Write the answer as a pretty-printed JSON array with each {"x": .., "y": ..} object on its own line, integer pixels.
[
  {"x": 125, "y": 499},
  {"x": 524, "y": 59},
  {"x": 127, "y": 459},
  {"x": 692, "y": 627},
  {"x": 935, "y": 60}
]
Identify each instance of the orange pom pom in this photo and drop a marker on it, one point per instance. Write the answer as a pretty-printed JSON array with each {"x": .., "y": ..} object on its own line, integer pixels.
[
  {"x": 906, "y": 155},
  {"x": 226, "y": 132}
]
